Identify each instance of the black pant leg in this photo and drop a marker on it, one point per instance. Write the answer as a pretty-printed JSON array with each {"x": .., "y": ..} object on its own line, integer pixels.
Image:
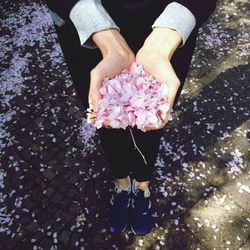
[
  {"x": 148, "y": 143},
  {"x": 117, "y": 146}
]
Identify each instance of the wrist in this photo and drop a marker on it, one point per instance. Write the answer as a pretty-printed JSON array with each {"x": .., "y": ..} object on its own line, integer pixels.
[
  {"x": 163, "y": 41},
  {"x": 110, "y": 41}
]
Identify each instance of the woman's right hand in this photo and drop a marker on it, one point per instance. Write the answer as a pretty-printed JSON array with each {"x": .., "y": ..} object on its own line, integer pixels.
[{"x": 117, "y": 56}]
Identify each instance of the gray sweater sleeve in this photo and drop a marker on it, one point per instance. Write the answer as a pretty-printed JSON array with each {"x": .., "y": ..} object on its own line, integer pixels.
[
  {"x": 89, "y": 16},
  {"x": 177, "y": 17}
]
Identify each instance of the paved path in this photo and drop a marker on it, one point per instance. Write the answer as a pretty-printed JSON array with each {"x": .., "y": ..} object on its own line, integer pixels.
[{"x": 54, "y": 181}]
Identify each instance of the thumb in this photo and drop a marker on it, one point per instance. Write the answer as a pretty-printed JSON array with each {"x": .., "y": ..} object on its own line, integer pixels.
[
  {"x": 94, "y": 90},
  {"x": 173, "y": 88}
]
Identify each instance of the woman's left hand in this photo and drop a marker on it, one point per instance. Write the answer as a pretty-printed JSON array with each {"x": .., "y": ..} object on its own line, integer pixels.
[{"x": 155, "y": 57}]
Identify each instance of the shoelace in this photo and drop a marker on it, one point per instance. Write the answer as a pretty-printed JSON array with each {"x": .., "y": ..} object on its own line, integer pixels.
[
  {"x": 146, "y": 193},
  {"x": 117, "y": 189}
]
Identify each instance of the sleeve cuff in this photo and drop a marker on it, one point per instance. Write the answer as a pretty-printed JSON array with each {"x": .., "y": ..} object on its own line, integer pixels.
[
  {"x": 177, "y": 17},
  {"x": 89, "y": 16}
]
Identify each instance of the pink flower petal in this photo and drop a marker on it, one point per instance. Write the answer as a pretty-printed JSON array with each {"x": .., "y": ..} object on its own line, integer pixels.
[{"x": 133, "y": 98}]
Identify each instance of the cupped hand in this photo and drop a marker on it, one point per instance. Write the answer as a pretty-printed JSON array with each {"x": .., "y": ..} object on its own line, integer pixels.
[
  {"x": 117, "y": 56},
  {"x": 155, "y": 57}
]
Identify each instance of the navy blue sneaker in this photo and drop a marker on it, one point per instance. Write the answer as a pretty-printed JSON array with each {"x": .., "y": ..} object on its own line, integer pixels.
[
  {"x": 141, "y": 213},
  {"x": 118, "y": 209}
]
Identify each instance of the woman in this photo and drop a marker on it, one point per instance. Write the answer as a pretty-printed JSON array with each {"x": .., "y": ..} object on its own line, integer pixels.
[{"x": 160, "y": 35}]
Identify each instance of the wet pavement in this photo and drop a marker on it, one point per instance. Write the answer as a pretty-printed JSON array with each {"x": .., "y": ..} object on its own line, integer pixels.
[{"x": 54, "y": 180}]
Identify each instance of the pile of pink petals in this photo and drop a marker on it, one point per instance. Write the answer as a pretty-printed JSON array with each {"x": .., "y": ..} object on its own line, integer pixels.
[{"x": 133, "y": 98}]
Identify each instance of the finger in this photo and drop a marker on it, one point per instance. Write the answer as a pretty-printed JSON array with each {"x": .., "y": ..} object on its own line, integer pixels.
[
  {"x": 93, "y": 102},
  {"x": 173, "y": 88},
  {"x": 96, "y": 77},
  {"x": 106, "y": 124},
  {"x": 164, "y": 109},
  {"x": 163, "y": 116},
  {"x": 90, "y": 108},
  {"x": 151, "y": 127},
  {"x": 91, "y": 118}
]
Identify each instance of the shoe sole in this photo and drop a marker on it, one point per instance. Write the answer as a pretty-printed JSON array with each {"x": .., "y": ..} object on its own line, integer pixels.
[
  {"x": 114, "y": 232},
  {"x": 137, "y": 233}
]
